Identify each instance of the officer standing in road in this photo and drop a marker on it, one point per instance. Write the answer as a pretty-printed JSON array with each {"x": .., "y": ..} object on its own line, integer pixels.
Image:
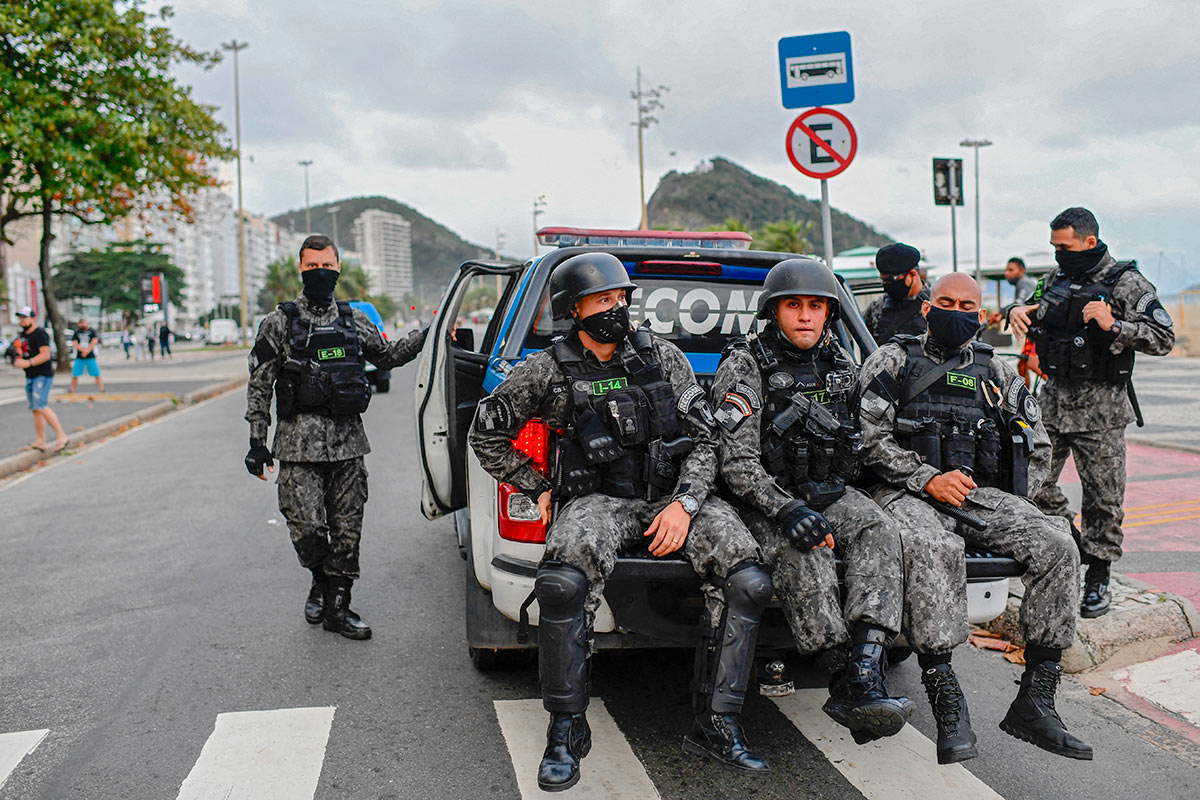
[
  {"x": 789, "y": 448},
  {"x": 636, "y": 463},
  {"x": 945, "y": 421},
  {"x": 309, "y": 353},
  {"x": 1092, "y": 314},
  {"x": 900, "y": 310}
]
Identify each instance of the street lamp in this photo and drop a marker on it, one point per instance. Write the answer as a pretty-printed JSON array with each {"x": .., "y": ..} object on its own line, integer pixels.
[
  {"x": 307, "y": 212},
  {"x": 647, "y": 101},
  {"x": 235, "y": 46},
  {"x": 539, "y": 204},
  {"x": 976, "y": 143},
  {"x": 333, "y": 211}
]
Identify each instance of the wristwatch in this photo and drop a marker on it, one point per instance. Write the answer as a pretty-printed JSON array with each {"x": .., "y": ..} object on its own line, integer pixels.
[
  {"x": 690, "y": 504},
  {"x": 1115, "y": 328}
]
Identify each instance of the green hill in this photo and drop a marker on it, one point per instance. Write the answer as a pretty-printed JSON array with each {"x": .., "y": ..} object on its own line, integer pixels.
[
  {"x": 436, "y": 249},
  {"x": 694, "y": 200}
]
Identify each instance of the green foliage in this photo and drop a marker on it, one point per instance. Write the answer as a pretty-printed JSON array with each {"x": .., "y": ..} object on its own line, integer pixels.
[
  {"x": 730, "y": 224},
  {"x": 353, "y": 284},
  {"x": 282, "y": 284},
  {"x": 786, "y": 236},
  {"x": 114, "y": 275},
  {"x": 479, "y": 297}
]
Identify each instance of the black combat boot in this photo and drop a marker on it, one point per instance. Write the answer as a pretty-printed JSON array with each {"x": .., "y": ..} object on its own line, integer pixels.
[
  {"x": 568, "y": 740},
  {"x": 956, "y": 740},
  {"x": 338, "y": 616},
  {"x": 1032, "y": 717},
  {"x": 858, "y": 698},
  {"x": 1096, "y": 594},
  {"x": 720, "y": 737},
  {"x": 314, "y": 606}
]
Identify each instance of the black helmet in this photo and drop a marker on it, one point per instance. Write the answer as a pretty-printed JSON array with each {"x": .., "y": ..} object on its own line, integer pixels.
[
  {"x": 584, "y": 274},
  {"x": 798, "y": 276}
]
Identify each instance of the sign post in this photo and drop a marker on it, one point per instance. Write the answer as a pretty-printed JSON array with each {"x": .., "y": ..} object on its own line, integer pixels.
[
  {"x": 947, "y": 191},
  {"x": 821, "y": 143}
]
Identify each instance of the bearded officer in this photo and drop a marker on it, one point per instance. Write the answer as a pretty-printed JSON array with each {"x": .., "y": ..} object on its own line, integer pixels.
[
  {"x": 943, "y": 419},
  {"x": 789, "y": 448},
  {"x": 899, "y": 311},
  {"x": 309, "y": 353},
  {"x": 1092, "y": 314},
  {"x": 626, "y": 400}
]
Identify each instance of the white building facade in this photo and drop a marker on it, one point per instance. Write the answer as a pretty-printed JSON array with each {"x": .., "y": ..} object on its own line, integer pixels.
[{"x": 384, "y": 242}]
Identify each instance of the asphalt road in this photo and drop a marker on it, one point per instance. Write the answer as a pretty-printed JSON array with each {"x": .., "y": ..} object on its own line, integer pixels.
[{"x": 149, "y": 585}]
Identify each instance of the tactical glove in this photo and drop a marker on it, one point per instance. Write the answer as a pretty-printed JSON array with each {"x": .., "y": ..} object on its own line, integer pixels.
[
  {"x": 803, "y": 527},
  {"x": 258, "y": 457}
]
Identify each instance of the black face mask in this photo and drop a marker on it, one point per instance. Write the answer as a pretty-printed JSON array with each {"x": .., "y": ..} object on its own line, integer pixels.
[
  {"x": 609, "y": 326},
  {"x": 1076, "y": 263},
  {"x": 318, "y": 284},
  {"x": 1013, "y": 281},
  {"x": 896, "y": 289},
  {"x": 952, "y": 329}
]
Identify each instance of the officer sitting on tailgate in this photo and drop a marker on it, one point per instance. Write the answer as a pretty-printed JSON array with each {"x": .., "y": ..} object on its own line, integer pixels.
[
  {"x": 309, "y": 353},
  {"x": 945, "y": 422},
  {"x": 637, "y": 459},
  {"x": 789, "y": 448},
  {"x": 900, "y": 310}
]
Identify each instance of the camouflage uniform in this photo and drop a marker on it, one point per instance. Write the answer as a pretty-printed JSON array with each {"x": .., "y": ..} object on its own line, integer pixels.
[
  {"x": 322, "y": 480},
  {"x": 935, "y": 600},
  {"x": 806, "y": 582},
  {"x": 884, "y": 313},
  {"x": 588, "y": 532},
  {"x": 1088, "y": 419}
]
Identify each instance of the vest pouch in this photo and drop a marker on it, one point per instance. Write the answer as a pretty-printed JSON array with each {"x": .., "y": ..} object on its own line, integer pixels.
[
  {"x": 314, "y": 387},
  {"x": 287, "y": 389},
  {"x": 660, "y": 396},
  {"x": 796, "y": 450},
  {"x": 775, "y": 458},
  {"x": 348, "y": 398},
  {"x": 622, "y": 478},
  {"x": 987, "y": 454},
  {"x": 1054, "y": 355},
  {"x": 926, "y": 443},
  {"x": 630, "y": 419},
  {"x": 849, "y": 446},
  {"x": 1119, "y": 367},
  {"x": 1054, "y": 309},
  {"x": 958, "y": 448},
  {"x": 820, "y": 457},
  {"x": 1079, "y": 361},
  {"x": 575, "y": 476}
]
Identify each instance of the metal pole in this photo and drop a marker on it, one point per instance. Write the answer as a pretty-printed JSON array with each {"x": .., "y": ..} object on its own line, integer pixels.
[
  {"x": 826, "y": 223},
  {"x": 307, "y": 211},
  {"x": 539, "y": 203},
  {"x": 334, "y": 211},
  {"x": 953, "y": 201},
  {"x": 641, "y": 164},
  {"x": 235, "y": 46},
  {"x": 977, "y": 264}
]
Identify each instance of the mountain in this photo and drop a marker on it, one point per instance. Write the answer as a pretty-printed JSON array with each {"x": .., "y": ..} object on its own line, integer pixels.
[
  {"x": 436, "y": 250},
  {"x": 720, "y": 189}
]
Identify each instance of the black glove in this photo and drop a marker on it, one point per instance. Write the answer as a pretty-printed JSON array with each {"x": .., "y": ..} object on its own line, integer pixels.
[
  {"x": 803, "y": 527},
  {"x": 258, "y": 456}
]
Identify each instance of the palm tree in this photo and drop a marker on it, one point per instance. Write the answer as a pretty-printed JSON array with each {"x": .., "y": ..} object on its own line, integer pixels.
[
  {"x": 786, "y": 236},
  {"x": 353, "y": 284},
  {"x": 730, "y": 224},
  {"x": 282, "y": 284}
]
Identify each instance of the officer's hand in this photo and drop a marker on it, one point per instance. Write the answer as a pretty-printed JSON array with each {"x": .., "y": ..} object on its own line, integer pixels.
[
  {"x": 257, "y": 457},
  {"x": 1018, "y": 318},
  {"x": 805, "y": 529},
  {"x": 1101, "y": 312},
  {"x": 544, "y": 505},
  {"x": 669, "y": 529},
  {"x": 950, "y": 487}
]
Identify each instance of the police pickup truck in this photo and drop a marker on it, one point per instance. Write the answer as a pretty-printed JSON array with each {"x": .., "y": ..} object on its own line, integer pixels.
[{"x": 697, "y": 289}]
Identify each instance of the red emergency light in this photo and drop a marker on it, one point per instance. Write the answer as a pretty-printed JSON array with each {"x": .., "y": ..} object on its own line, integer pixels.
[{"x": 605, "y": 237}]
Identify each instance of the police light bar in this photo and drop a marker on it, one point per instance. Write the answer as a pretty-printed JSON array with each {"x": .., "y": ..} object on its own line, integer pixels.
[{"x": 599, "y": 237}]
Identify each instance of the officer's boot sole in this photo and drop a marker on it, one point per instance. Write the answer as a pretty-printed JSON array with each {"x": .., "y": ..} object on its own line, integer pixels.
[
  {"x": 696, "y": 748},
  {"x": 357, "y": 635},
  {"x": 953, "y": 756},
  {"x": 584, "y": 748},
  {"x": 1014, "y": 729},
  {"x": 883, "y": 717},
  {"x": 1095, "y": 611}
]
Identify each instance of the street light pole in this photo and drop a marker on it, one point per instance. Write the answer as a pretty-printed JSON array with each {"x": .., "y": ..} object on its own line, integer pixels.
[
  {"x": 539, "y": 204},
  {"x": 647, "y": 101},
  {"x": 333, "y": 211},
  {"x": 307, "y": 212},
  {"x": 976, "y": 143},
  {"x": 235, "y": 46}
]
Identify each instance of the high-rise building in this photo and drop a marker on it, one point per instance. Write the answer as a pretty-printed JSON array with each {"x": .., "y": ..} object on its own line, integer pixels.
[{"x": 384, "y": 242}]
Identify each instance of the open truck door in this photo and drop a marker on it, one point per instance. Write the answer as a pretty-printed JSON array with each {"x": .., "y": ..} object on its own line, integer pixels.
[{"x": 450, "y": 375}]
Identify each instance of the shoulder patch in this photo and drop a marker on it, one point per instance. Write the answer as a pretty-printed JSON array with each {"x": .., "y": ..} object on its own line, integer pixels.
[
  {"x": 1143, "y": 302},
  {"x": 688, "y": 397},
  {"x": 1013, "y": 395},
  {"x": 1030, "y": 408},
  {"x": 748, "y": 393},
  {"x": 494, "y": 413},
  {"x": 1161, "y": 316},
  {"x": 733, "y": 411},
  {"x": 781, "y": 380}
]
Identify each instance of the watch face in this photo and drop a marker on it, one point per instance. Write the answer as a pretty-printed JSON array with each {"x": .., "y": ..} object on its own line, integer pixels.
[{"x": 689, "y": 504}]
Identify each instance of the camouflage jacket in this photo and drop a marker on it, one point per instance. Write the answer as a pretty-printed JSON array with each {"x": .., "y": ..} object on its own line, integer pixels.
[
  {"x": 882, "y": 307},
  {"x": 537, "y": 387},
  {"x": 741, "y": 448},
  {"x": 314, "y": 437},
  {"x": 1146, "y": 327},
  {"x": 894, "y": 464}
]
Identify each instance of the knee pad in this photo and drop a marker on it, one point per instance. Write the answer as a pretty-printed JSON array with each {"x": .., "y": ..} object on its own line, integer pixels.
[
  {"x": 748, "y": 586},
  {"x": 560, "y": 586}
]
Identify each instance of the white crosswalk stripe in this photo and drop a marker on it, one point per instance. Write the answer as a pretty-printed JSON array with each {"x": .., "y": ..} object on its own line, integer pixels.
[
  {"x": 872, "y": 768},
  {"x": 14, "y": 747},
  {"x": 261, "y": 755},
  {"x": 610, "y": 771}
]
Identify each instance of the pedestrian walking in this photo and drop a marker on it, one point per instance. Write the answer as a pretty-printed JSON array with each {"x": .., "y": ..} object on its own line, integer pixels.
[
  {"x": 126, "y": 340},
  {"x": 39, "y": 379},
  {"x": 150, "y": 338},
  {"x": 164, "y": 339},
  {"x": 139, "y": 342},
  {"x": 85, "y": 341}
]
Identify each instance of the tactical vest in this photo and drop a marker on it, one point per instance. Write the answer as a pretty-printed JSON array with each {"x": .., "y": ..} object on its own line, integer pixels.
[
  {"x": 622, "y": 436},
  {"x": 1070, "y": 349},
  {"x": 810, "y": 441},
  {"x": 323, "y": 373},
  {"x": 903, "y": 316}
]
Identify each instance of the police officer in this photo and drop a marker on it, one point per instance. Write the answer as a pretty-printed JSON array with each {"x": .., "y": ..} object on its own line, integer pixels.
[
  {"x": 1091, "y": 315},
  {"x": 310, "y": 354},
  {"x": 630, "y": 409},
  {"x": 789, "y": 448},
  {"x": 945, "y": 421},
  {"x": 899, "y": 311}
]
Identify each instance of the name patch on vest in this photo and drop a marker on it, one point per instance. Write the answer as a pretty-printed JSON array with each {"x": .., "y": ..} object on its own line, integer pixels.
[
  {"x": 819, "y": 396},
  {"x": 601, "y": 388},
  {"x": 958, "y": 380},
  {"x": 330, "y": 353}
]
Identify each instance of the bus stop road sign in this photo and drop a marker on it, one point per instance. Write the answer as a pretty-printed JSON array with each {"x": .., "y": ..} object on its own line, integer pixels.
[
  {"x": 821, "y": 143},
  {"x": 816, "y": 70}
]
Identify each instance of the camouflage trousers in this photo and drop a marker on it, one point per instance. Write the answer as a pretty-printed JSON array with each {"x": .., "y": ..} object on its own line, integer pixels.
[
  {"x": 589, "y": 532},
  {"x": 935, "y": 598},
  {"x": 322, "y": 502},
  {"x": 806, "y": 583},
  {"x": 1100, "y": 462}
]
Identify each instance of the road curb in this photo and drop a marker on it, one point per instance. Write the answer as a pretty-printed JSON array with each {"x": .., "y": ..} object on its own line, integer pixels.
[
  {"x": 1147, "y": 441},
  {"x": 23, "y": 461}
]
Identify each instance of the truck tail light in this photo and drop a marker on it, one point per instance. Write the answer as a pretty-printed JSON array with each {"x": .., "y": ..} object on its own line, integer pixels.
[{"x": 519, "y": 520}]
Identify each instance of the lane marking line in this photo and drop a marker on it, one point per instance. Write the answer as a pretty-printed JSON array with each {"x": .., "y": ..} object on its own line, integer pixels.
[
  {"x": 1172, "y": 682},
  {"x": 1160, "y": 521},
  {"x": 1163, "y": 505},
  {"x": 904, "y": 765},
  {"x": 262, "y": 755},
  {"x": 14, "y": 747},
  {"x": 610, "y": 771}
]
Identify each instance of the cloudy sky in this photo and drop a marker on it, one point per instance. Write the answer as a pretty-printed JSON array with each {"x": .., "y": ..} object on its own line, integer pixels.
[{"x": 469, "y": 110}]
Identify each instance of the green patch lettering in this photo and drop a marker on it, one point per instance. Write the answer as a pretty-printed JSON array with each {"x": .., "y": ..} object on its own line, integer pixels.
[
  {"x": 818, "y": 396},
  {"x": 328, "y": 353},
  {"x": 601, "y": 388},
  {"x": 963, "y": 381}
]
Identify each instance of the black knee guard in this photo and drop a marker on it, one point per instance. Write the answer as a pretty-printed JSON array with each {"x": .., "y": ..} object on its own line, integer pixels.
[
  {"x": 747, "y": 591},
  {"x": 562, "y": 637}
]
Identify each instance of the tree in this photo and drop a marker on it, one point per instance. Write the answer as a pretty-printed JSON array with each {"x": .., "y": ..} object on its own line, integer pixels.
[
  {"x": 282, "y": 284},
  {"x": 114, "y": 275},
  {"x": 730, "y": 224},
  {"x": 785, "y": 236},
  {"x": 353, "y": 284},
  {"x": 94, "y": 124},
  {"x": 479, "y": 298}
]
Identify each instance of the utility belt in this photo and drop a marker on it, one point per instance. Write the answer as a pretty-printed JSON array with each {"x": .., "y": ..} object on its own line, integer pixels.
[
  {"x": 1080, "y": 356},
  {"x": 813, "y": 454},
  {"x": 303, "y": 387},
  {"x": 994, "y": 458},
  {"x": 591, "y": 460}
]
